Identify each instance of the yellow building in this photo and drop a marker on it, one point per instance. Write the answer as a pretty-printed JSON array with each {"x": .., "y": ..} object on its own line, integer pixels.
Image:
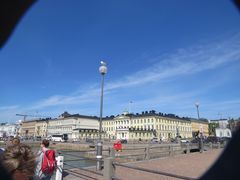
[
  {"x": 41, "y": 128},
  {"x": 199, "y": 126},
  {"x": 27, "y": 128},
  {"x": 146, "y": 126}
]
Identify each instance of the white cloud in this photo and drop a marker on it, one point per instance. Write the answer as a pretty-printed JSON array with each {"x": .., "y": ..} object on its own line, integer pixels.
[
  {"x": 5, "y": 108},
  {"x": 183, "y": 62}
]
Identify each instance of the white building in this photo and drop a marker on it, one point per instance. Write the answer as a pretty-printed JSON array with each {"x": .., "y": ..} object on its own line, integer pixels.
[
  {"x": 7, "y": 130},
  {"x": 223, "y": 132},
  {"x": 76, "y": 126},
  {"x": 222, "y": 123}
]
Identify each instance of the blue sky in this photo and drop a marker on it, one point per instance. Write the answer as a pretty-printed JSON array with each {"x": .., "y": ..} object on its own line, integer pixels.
[{"x": 161, "y": 55}]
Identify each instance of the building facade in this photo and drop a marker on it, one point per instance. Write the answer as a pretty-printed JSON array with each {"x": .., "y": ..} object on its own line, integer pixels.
[
  {"x": 146, "y": 126},
  {"x": 41, "y": 127},
  {"x": 223, "y": 132},
  {"x": 199, "y": 126},
  {"x": 7, "y": 130},
  {"x": 76, "y": 126},
  {"x": 27, "y": 128},
  {"x": 223, "y": 123}
]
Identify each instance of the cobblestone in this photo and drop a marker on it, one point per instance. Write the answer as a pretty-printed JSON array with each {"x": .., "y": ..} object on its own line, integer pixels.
[{"x": 189, "y": 165}]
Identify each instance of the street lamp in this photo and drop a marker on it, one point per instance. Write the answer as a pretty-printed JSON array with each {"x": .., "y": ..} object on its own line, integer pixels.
[
  {"x": 200, "y": 130},
  {"x": 103, "y": 71},
  {"x": 197, "y": 106}
]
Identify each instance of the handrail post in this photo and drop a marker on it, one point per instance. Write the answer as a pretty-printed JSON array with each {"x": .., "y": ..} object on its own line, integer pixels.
[
  {"x": 111, "y": 152},
  {"x": 210, "y": 145},
  {"x": 170, "y": 150},
  {"x": 201, "y": 145},
  {"x": 109, "y": 169},
  {"x": 224, "y": 144},
  {"x": 59, "y": 170},
  {"x": 188, "y": 148},
  {"x": 147, "y": 155}
]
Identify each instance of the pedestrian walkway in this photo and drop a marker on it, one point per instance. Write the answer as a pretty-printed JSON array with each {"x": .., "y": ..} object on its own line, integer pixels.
[{"x": 190, "y": 165}]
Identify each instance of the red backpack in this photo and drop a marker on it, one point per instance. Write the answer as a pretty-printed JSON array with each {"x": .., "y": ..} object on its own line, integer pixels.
[{"x": 49, "y": 162}]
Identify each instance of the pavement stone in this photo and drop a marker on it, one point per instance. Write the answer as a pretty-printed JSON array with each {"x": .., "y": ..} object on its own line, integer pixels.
[{"x": 191, "y": 165}]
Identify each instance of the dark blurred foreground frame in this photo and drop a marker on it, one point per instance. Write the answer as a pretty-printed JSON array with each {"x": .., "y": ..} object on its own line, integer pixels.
[
  {"x": 227, "y": 165},
  {"x": 4, "y": 174},
  {"x": 11, "y": 12},
  {"x": 237, "y": 3}
]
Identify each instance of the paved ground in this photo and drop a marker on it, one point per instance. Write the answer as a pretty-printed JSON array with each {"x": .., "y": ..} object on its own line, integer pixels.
[{"x": 190, "y": 165}]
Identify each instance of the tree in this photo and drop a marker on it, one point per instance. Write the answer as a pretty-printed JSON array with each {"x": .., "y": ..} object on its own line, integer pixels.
[
  {"x": 212, "y": 127},
  {"x": 231, "y": 124}
]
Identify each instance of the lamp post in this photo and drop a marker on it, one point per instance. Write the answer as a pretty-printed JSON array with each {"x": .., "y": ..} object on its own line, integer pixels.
[
  {"x": 197, "y": 106},
  {"x": 200, "y": 130},
  {"x": 103, "y": 71}
]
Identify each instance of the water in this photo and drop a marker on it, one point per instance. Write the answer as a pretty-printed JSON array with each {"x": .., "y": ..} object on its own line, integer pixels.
[{"x": 76, "y": 160}]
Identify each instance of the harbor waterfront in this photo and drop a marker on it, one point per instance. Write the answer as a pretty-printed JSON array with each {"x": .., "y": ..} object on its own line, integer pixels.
[
  {"x": 129, "y": 126},
  {"x": 190, "y": 165},
  {"x": 79, "y": 159}
]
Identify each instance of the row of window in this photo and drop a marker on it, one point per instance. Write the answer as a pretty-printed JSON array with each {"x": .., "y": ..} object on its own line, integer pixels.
[
  {"x": 162, "y": 135},
  {"x": 60, "y": 128},
  {"x": 137, "y": 121},
  {"x": 160, "y": 127}
]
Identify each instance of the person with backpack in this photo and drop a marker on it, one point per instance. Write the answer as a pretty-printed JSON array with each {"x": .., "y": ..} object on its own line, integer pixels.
[{"x": 46, "y": 163}]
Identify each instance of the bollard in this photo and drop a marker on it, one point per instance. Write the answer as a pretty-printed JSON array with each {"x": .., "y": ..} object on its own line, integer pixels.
[
  {"x": 59, "y": 170},
  {"x": 224, "y": 144},
  {"x": 99, "y": 156},
  {"x": 188, "y": 149},
  {"x": 201, "y": 145},
  {"x": 111, "y": 152},
  {"x": 170, "y": 150},
  {"x": 147, "y": 156},
  {"x": 109, "y": 169},
  {"x": 210, "y": 146}
]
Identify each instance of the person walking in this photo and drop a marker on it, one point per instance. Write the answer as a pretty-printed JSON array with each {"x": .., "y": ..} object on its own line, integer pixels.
[{"x": 46, "y": 162}]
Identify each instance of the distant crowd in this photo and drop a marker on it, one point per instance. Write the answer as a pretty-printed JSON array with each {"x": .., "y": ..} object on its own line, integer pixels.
[{"x": 19, "y": 162}]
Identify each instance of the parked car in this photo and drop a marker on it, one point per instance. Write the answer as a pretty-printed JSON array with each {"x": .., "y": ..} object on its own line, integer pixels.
[
  {"x": 38, "y": 138},
  {"x": 174, "y": 140},
  {"x": 212, "y": 139},
  {"x": 195, "y": 140},
  {"x": 123, "y": 141},
  {"x": 49, "y": 138},
  {"x": 224, "y": 139},
  {"x": 90, "y": 142},
  {"x": 184, "y": 141},
  {"x": 154, "y": 140}
]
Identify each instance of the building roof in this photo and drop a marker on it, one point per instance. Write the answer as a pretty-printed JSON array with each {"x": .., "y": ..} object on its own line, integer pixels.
[
  {"x": 67, "y": 115},
  {"x": 216, "y": 120},
  {"x": 147, "y": 114},
  {"x": 199, "y": 120}
]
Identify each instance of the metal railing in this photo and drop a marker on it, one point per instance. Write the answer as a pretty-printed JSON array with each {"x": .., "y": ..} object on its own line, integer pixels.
[{"x": 112, "y": 160}]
